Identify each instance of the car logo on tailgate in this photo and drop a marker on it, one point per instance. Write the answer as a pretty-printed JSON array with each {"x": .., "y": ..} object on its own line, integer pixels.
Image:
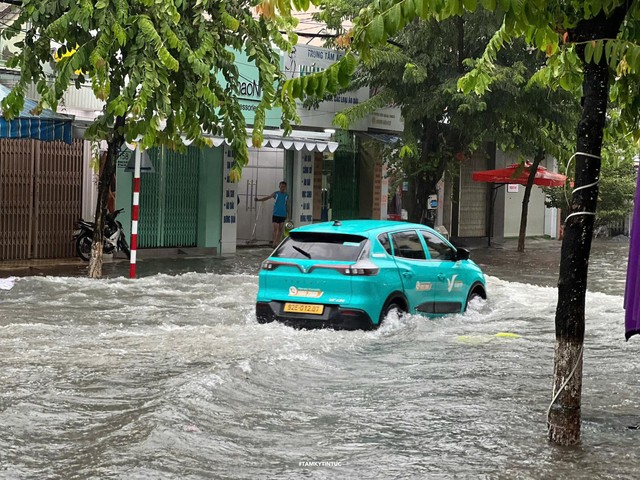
[{"x": 295, "y": 292}]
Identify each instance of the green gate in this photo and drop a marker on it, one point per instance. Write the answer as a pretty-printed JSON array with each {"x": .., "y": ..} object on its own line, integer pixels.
[
  {"x": 344, "y": 179},
  {"x": 169, "y": 199}
]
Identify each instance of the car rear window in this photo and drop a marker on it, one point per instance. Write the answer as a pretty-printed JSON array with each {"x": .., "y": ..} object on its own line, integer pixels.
[{"x": 321, "y": 246}]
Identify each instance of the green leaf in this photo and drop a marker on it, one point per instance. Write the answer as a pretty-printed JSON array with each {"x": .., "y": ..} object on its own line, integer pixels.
[
  {"x": 343, "y": 77},
  {"x": 322, "y": 85},
  {"x": 119, "y": 33},
  {"x": 470, "y": 5},
  {"x": 565, "y": 83},
  {"x": 489, "y": 4},
  {"x": 230, "y": 22},
  {"x": 597, "y": 53},
  {"x": 341, "y": 120},
  {"x": 392, "y": 19},
  {"x": 350, "y": 61},
  {"x": 422, "y": 8},
  {"x": 312, "y": 83},
  {"x": 608, "y": 47},
  {"x": 408, "y": 10},
  {"x": 346, "y": 67},
  {"x": 633, "y": 58},
  {"x": 375, "y": 32},
  {"x": 615, "y": 53},
  {"x": 333, "y": 84},
  {"x": 517, "y": 6},
  {"x": 588, "y": 52}
]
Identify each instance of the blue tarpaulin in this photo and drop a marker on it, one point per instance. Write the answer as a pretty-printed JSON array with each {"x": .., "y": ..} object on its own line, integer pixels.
[{"x": 47, "y": 126}]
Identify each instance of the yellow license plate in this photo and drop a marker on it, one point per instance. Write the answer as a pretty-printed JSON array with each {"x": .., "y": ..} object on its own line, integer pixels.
[{"x": 304, "y": 308}]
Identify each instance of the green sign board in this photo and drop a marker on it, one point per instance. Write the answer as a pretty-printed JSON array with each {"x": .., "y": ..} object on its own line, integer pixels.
[{"x": 250, "y": 91}]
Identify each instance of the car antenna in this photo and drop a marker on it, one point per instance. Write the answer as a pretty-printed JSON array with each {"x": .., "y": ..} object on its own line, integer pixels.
[{"x": 336, "y": 223}]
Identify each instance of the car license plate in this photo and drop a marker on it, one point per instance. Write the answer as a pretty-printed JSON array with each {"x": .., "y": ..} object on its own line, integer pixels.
[{"x": 304, "y": 308}]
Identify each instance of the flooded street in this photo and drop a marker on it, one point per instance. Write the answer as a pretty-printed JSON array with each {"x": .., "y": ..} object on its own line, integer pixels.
[{"x": 169, "y": 376}]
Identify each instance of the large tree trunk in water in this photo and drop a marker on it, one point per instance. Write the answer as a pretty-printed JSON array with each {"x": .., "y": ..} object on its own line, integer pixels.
[
  {"x": 107, "y": 173},
  {"x": 563, "y": 420},
  {"x": 424, "y": 174},
  {"x": 525, "y": 201},
  {"x": 419, "y": 190}
]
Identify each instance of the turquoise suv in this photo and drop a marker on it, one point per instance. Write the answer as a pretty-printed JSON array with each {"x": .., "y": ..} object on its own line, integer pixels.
[{"x": 350, "y": 274}]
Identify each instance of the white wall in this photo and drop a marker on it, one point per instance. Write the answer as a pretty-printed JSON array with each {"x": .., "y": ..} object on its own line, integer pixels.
[
  {"x": 302, "y": 191},
  {"x": 513, "y": 212},
  {"x": 229, "y": 206},
  {"x": 540, "y": 220},
  {"x": 89, "y": 185}
]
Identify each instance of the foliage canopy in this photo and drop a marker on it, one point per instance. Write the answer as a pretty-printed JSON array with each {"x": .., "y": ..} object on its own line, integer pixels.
[{"x": 165, "y": 66}]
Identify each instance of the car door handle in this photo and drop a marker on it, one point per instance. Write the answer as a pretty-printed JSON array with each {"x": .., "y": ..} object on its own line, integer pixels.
[
  {"x": 407, "y": 274},
  {"x": 441, "y": 276}
]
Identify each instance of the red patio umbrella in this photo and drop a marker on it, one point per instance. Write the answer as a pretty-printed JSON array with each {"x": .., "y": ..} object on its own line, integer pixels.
[
  {"x": 514, "y": 173},
  {"x": 511, "y": 174}
]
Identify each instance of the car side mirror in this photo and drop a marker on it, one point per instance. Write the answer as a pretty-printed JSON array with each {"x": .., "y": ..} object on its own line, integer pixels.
[{"x": 462, "y": 254}]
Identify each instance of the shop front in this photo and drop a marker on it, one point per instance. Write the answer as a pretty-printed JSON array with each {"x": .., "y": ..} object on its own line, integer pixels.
[{"x": 187, "y": 200}]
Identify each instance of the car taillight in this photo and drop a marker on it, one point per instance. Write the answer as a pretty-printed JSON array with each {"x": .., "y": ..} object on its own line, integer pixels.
[
  {"x": 361, "y": 271},
  {"x": 267, "y": 265}
]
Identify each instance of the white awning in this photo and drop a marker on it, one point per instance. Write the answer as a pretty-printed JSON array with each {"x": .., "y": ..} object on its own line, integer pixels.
[
  {"x": 300, "y": 140},
  {"x": 297, "y": 143}
]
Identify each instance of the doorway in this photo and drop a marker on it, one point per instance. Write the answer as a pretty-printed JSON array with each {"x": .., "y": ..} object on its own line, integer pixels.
[{"x": 260, "y": 177}]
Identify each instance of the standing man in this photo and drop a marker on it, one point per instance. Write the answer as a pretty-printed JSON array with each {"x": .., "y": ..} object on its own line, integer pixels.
[{"x": 280, "y": 208}]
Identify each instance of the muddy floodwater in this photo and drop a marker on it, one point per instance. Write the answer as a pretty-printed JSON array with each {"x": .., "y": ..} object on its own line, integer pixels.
[{"x": 169, "y": 376}]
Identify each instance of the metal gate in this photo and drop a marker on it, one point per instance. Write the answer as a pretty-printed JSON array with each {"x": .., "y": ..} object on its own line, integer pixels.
[
  {"x": 344, "y": 193},
  {"x": 40, "y": 198},
  {"x": 169, "y": 200},
  {"x": 473, "y": 200},
  {"x": 260, "y": 177}
]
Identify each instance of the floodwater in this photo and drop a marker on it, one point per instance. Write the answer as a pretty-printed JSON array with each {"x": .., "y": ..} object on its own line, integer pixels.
[{"x": 170, "y": 377}]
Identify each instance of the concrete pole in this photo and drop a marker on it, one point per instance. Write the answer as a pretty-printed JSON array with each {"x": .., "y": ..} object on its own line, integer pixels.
[{"x": 135, "y": 213}]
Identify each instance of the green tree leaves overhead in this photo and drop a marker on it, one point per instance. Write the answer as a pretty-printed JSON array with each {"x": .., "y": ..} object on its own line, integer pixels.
[
  {"x": 419, "y": 72},
  {"x": 164, "y": 68},
  {"x": 155, "y": 63}
]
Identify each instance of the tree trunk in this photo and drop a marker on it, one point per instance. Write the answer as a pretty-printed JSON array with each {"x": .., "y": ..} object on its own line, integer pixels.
[
  {"x": 417, "y": 195},
  {"x": 427, "y": 171},
  {"x": 525, "y": 201},
  {"x": 563, "y": 420},
  {"x": 108, "y": 171}
]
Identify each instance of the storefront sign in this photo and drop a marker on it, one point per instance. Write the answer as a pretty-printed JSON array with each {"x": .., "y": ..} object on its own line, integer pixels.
[
  {"x": 388, "y": 119},
  {"x": 250, "y": 92},
  {"x": 305, "y": 60}
]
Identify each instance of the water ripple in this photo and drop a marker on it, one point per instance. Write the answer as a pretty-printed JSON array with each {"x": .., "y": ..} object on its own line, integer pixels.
[{"x": 170, "y": 376}]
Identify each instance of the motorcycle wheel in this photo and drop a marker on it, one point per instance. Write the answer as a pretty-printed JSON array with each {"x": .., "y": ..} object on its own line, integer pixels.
[
  {"x": 124, "y": 247},
  {"x": 83, "y": 247}
]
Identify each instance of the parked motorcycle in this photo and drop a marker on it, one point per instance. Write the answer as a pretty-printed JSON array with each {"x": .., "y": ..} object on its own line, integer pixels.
[{"x": 114, "y": 238}]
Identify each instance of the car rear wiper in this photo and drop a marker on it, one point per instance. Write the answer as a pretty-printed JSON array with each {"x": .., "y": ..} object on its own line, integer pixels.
[{"x": 306, "y": 254}]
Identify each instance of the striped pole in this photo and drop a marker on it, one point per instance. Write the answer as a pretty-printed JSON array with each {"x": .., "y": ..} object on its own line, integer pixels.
[{"x": 134, "y": 213}]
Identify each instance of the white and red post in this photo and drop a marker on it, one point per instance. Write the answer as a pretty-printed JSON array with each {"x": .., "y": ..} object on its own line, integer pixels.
[{"x": 135, "y": 212}]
